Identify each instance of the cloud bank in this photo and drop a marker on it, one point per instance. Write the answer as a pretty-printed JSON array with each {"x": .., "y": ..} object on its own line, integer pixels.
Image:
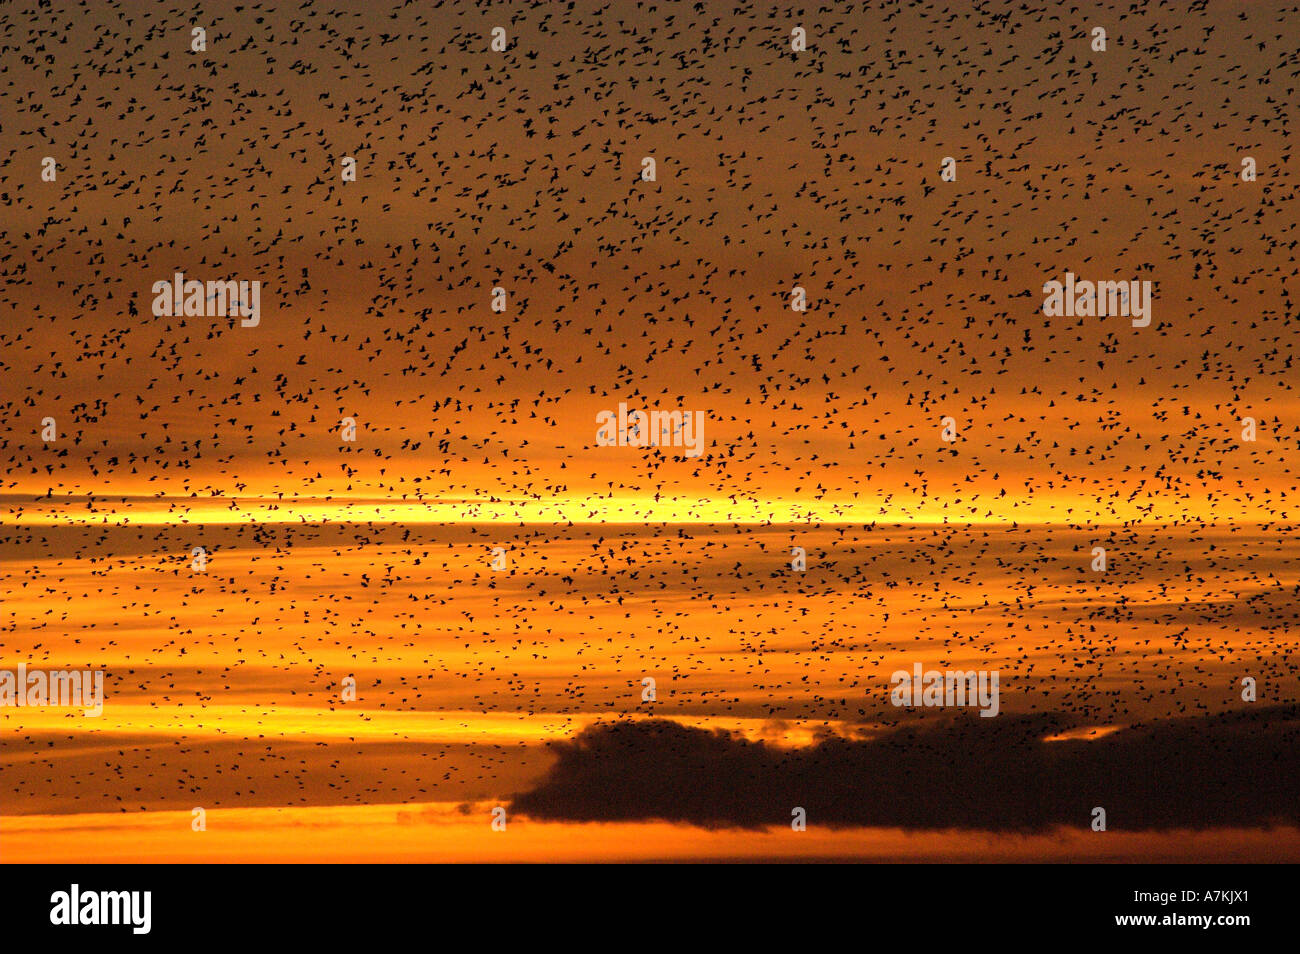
[{"x": 1237, "y": 769}]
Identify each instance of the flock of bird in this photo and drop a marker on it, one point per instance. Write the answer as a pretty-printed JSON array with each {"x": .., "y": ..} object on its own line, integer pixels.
[{"x": 501, "y": 268}]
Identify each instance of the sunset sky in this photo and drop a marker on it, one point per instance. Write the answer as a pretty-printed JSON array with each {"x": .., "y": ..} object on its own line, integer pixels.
[{"x": 521, "y": 687}]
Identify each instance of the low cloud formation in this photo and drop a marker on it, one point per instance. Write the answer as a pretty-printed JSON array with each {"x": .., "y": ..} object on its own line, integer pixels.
[{"x": 1238, "y": 769}]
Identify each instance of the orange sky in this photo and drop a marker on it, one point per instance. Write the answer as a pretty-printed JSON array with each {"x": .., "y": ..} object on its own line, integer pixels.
[{"x": 477, "y": 429}]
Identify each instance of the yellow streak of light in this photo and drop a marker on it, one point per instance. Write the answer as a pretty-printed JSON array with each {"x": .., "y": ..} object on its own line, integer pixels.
[
  {"x": 628, "y": 509},
  {"x": 443, "y": 726}
]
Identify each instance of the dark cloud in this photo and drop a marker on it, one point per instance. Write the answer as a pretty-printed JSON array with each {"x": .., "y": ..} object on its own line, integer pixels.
[{"x": 1234, "y": 769}]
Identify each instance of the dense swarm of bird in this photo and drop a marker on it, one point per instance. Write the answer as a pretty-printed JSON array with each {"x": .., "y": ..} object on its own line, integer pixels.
[{"x": 521, "y": 169}]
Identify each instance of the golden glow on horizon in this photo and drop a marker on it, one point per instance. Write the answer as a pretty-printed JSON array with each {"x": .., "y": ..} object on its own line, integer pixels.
[{"x": 460, "y": 832}]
